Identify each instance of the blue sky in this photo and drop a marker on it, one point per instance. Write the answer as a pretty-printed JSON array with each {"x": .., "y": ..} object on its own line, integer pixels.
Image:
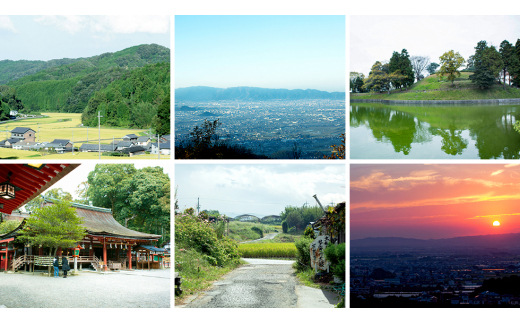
[
  {"x": 292, "y": 52},
  {"x": 54, "y": 37},
  {"x": 262, "y": 190}
]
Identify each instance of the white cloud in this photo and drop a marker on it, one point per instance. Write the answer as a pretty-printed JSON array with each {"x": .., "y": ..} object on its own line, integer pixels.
[
  {"x": 500, "y": 171},
  {"x": 108, "y": 24},
  {"x": 6, "y": 23}
]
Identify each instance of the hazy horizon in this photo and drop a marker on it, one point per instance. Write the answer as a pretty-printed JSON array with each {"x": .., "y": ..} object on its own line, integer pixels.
[{"x": 262, "y": 51}]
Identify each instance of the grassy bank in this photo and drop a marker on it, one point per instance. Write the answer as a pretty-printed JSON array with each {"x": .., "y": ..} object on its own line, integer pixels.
[
  {"x": 435, "y": 88},
  {"x": 197, "y": 272},
  {"x": 241, "y": 231}
]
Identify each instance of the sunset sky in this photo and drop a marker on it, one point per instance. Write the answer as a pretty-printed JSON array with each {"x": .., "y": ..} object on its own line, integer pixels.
[{"x": 433, "y": 201}]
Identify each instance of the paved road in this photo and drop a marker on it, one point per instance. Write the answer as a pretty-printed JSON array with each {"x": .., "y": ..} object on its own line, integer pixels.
[
  {"x": 268, "y": 236},
  {"x": 262, "y": 283},
  {"x": 127, "y": 289}
]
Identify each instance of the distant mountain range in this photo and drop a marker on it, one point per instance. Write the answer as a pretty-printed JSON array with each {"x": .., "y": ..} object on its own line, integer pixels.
[
  {"x": 205, "y": 93},
  {"x": 494, "y": 241}
]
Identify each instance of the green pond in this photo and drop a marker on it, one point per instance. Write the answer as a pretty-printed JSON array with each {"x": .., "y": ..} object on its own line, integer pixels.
[{"x": 381, "y": 131}]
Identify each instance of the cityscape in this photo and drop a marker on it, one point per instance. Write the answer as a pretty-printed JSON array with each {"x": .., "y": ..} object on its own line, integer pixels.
[{"x": 274, "y": 128}]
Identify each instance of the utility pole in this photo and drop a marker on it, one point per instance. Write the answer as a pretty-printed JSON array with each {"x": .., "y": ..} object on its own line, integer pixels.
[
  {"x": 99, "y": 127},
  {"x": 158, "y": 148},
  {"x": 87, "y": 134},
  {"x": 198, "y": 206},
  {"x": 72, "y": 142},
  {"x": 6, "y": 132}
]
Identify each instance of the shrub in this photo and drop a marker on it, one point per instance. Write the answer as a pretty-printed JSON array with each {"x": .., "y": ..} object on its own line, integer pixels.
[
  {"x": 303, "y": 257},
  {"x": 336, "y": 255},
  {"x": 309, "y": 232},
  {"x": 284, "y": 226},
  {"x": 196, "y": 233},
  {"x": 259, "y": 231}
]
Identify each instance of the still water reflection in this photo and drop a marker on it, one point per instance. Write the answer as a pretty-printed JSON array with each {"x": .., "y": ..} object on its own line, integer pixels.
[{"x": 469, "y": 132}]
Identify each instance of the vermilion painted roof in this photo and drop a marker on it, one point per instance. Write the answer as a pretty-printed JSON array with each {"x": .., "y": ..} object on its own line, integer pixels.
[{"x": 30, "y": 182}]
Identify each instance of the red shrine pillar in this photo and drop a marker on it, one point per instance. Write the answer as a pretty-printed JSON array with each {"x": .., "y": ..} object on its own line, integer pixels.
[
  {"x": 105, "y": 253},
  {"x": 129, "y": 256},
  {"x": 91, "y": 250}
]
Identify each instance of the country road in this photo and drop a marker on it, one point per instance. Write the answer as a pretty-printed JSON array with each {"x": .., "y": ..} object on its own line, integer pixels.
[
  {"x": 268, "y": 236},
  {"x": 262, "y": 283}
]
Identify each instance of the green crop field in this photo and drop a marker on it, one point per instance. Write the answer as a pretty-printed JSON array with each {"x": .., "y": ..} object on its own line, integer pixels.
[
  {"x": 67, "y": 126},
  {"x": 267, "y": 250}
]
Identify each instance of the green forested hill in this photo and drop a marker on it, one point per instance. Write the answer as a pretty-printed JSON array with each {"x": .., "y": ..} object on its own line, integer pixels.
[
  {"x": 132, "y": 100},
  {"x": 67, "y": 88},
  {"x": 13, "y": 70}
]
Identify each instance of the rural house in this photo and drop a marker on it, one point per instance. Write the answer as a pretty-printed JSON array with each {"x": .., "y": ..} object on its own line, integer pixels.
[{"x": 23, "y": 133}]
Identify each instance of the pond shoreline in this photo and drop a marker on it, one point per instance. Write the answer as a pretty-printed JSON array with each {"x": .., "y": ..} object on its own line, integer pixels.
[{"x": 438, "y": 102}]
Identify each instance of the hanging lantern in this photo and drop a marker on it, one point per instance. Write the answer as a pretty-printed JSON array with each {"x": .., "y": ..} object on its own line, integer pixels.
[
  {"x": 7, "y": 190},
  {"x": 111, "y": 245},
  {"x": 82, "y": 246}
]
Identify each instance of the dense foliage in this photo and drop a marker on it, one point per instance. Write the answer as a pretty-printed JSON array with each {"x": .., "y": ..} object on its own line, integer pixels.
[
  {"x": 8, "y": 102},
  {"x": 8, "y": 226},
  {"x": 300, "y": 217},
  {"x": 192, "y": 232},
  {"x": 335, "y": 254},
  {"x": 131, "y": 101},
  {"x": 13, "y": 70},
  {"x": 303, "y": 256},
  {"x": 139, "y": 198},
  {"x": 132, "y": 91},
  {"x": 450, "y": 64},
  {"x": 53, "y": 226}
]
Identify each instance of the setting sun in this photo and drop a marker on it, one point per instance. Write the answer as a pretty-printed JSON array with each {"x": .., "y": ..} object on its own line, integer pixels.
[{"x": 496, "y": 224}]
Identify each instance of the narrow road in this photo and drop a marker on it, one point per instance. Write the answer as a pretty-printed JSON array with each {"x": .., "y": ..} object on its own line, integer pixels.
[
  {"x": 262, "y": 283},
  {"x": 268, "y": 236}
]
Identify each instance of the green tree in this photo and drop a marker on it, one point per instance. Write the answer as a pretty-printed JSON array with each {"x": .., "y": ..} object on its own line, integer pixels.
[
  {"x": 507, "y": 51},
  {"x": 450, "y": 63},
  {"x": 487, "y": 63},
  {"x": 53, "y": 226},
  {"x": 284, "y": 226},
  {"x": 516, "y": 64},
  {"x": 139, "y": 198},
  {"x": 379, "y": 78},
  {"x": 162, "y": 121},
  {"x": 8, "y": 226},
  {"x": 401, "y": 67},
  {"x": 432, "y": 68}
]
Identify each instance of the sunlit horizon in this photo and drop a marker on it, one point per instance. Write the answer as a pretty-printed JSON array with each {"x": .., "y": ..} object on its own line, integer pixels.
[{"x": 434, "y": 201}]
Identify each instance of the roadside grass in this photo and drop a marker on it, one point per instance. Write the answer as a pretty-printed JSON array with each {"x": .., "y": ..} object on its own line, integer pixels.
[
  {"x": 306, "y": 278},
  {"x": 267, "y": 250},
  {"x": 196, "y": 272},
  {"x": 441, "y": 89}
]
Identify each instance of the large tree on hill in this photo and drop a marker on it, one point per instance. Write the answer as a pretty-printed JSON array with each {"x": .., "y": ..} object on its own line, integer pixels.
[
  {"x": 401, "y": 67},
  {"x": 507, "y": 51},
  {"x": 516, "y": 64},
  {"x": 432, "y": 68},
  {"x": 419, "y": 64},
  {"x": 356, "y": 81},
  {"x": 380, "y": 79},
  {"x": 488, "y": 64},
  {"x": 450, "y": 63}
]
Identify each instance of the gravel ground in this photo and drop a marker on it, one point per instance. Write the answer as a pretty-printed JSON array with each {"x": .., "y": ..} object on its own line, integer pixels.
[{"x": 138, "y": 288}]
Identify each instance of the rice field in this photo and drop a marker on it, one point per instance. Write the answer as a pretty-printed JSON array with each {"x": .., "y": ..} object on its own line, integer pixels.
[
  {"x": 267, "y": 250},
  {"x": 67, "y": 126}
]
